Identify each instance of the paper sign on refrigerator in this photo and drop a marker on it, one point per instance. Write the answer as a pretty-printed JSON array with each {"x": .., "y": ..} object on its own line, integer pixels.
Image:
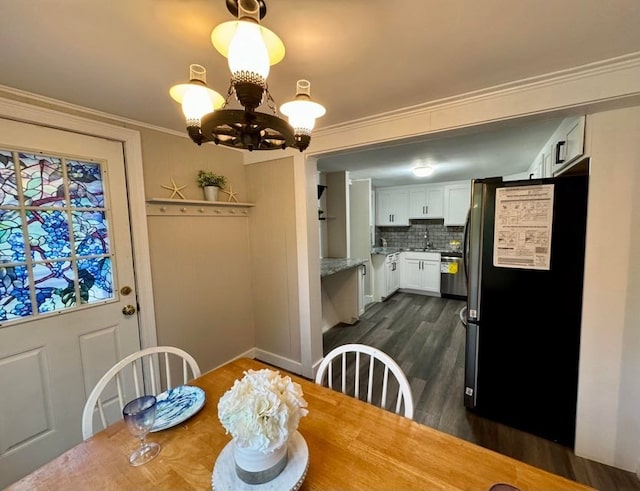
[{"x": 523, "y": 224}]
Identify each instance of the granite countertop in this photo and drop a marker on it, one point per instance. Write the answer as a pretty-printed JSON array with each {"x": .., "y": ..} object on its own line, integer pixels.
[
  {"x": 392, "y": 250},
  {"x": 386, "y": 250},
  {"x": 331, "y": 265}
]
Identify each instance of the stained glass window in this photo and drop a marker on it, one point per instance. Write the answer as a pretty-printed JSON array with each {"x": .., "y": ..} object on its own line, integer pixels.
[{"x": 54, "y": 237}]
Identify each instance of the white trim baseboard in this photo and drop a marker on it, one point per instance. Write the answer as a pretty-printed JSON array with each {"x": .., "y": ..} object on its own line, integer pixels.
[{"x": 279, "y": 361}]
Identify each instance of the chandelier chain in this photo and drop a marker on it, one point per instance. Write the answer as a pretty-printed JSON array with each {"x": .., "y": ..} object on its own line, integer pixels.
[
  {"x": 271, "y": 103},
  {"x": 230, "y": 92}
]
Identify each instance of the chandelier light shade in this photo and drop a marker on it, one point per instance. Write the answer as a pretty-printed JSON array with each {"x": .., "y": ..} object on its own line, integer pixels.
[
  {"x": 423, "y": 170},
  {"x": 250, "y": 49},
  {"x": 302, "y": 112},
  {"x": 196, "y": 98}
]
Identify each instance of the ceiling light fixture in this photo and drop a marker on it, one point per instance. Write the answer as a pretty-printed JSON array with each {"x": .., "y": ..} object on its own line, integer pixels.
[
  {"x": 250, "y": 48},
  {"x": 423, "y": 170}
]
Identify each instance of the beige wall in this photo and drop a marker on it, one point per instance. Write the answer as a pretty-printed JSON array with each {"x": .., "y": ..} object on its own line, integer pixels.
[
  {"x": 337, "y": 213},
  {"x": 167, "y": 156},
  {"x": 608, "y": 427},
  {"x": 199, "y": 264},
  {"x": 202, "y": 285},
  {"x": 274, "y": 268}
]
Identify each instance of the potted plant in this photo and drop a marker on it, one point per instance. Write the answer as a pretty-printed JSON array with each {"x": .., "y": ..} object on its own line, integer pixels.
[{"x": 211, "y": 183}]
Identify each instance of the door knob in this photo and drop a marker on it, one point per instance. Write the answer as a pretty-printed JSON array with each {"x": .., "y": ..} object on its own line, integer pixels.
[{"x": 128, "y": 310}]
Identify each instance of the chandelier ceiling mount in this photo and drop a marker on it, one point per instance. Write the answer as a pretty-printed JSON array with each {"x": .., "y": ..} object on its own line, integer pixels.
[{"x": 232, "y": 7}]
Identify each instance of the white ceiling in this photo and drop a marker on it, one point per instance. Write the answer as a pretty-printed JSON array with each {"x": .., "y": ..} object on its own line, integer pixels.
[
  {"x": 362, "y": 57},
  {"x": 486, "y": 152}
]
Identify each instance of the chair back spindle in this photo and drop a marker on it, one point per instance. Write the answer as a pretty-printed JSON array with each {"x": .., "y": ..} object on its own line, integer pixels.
[
  {"x": 135, "y": 375},
  {"x": 380, "y": 387}
]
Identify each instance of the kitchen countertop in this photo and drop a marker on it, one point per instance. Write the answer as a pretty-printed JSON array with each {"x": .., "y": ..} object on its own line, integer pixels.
[
  {"x": 331, "y": 265},
  {"x": 392, "y": 250}
]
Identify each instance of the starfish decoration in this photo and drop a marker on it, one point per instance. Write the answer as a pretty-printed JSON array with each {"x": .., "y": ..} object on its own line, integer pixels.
[
  {"x": 232, "y": 195},
  {"x": 175, "y": 189}
]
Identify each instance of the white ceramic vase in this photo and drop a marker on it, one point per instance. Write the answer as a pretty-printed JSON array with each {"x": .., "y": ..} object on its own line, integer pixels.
[
  {"x": 255, "y": 467},
  {"x": 211, "y": 193}
]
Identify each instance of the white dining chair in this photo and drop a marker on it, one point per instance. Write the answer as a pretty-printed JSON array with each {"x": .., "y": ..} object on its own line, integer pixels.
[
  {"x": 347, "y": 365},
  {"x": 148, "y": 371}
]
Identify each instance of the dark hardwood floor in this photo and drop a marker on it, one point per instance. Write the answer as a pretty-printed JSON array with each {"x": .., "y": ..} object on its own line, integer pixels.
[{"x": 425, "y": 336}]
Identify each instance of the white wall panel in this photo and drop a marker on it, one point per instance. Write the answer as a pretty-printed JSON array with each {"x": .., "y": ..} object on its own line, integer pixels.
[
  {"x": 25, "y": 406},
  {"x": 608, "y": 421},
  {"x": 99, "y": 353}
]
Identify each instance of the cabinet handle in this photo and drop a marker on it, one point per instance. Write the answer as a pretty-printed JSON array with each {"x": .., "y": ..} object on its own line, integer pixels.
[
  {"x": 426, "y": 210},
  {"x": 364, "y": 270},
  {"x": 559, "y": 146}
]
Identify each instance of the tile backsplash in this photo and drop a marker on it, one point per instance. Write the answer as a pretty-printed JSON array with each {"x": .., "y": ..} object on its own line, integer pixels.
[{"x": 413, "y": 236}]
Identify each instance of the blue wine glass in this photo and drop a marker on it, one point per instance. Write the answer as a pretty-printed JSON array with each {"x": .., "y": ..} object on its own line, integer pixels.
[{"x": 139, "y": 415}]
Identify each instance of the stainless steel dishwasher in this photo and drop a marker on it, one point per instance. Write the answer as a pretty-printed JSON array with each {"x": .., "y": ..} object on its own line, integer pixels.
[{"x": 452, "y": 278}]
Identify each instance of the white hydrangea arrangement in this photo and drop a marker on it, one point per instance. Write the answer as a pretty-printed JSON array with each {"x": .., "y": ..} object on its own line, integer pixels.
[{"x": 262, "y": 410}]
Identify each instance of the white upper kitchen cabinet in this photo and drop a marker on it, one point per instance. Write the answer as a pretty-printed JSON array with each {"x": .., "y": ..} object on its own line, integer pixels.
[
  {"x": 569, "y": 146},
  {"x": 457, "y": 198},
  {"x": 392, "y": 207},
  {"x": 426, "y": 202},
  {"x": 563, "y": 149}
]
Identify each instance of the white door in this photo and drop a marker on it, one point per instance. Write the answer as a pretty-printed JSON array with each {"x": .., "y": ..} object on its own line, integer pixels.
[{"x": 62, "y": 296}]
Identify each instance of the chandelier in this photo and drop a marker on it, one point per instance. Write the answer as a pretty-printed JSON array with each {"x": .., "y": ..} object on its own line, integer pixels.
[{"x": 250, "y": 49}]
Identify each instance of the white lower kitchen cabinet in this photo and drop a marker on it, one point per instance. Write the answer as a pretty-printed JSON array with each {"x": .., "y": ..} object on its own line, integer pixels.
[
  {"x": 420, "y": 271},
  {"x": 386, "y": 275},
  {"x": 393, "y": 274}
]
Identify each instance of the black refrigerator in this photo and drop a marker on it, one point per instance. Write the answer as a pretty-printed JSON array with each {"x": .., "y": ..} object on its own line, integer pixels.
[{"x": 524, "y": 258}]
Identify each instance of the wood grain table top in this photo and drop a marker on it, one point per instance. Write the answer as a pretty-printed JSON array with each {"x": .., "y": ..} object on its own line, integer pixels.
[{"x": 352, "y": 445}]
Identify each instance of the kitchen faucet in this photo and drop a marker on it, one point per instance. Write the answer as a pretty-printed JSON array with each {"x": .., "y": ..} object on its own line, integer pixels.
[
  {"x": 384, "y": 242},
  {"x": 427, "y": 242}
]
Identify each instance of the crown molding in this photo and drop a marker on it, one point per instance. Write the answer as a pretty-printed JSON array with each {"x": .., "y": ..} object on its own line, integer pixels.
[
  {"x": 598, "y": 82},
  {"x": 69, "y": 108},
  {"x": 606, "y": 80}
]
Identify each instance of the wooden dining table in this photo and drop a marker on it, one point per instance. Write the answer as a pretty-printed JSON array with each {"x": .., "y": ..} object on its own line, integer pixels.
[{"x": 351, "y": 445}]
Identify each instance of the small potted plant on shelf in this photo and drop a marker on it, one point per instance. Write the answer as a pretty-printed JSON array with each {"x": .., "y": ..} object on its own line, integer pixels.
[{"x": 211, "y": 183}]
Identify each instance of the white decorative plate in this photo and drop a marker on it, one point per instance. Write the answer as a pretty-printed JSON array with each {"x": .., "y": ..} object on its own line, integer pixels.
[
  {"x": 224, "y": 477},
  {"x": 177, "y": 405}
]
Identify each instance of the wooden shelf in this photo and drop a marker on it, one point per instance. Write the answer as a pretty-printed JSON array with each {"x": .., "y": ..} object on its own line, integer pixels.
[
  {"x": 196, "y": 202},
  {"x": 190, "y": 207}
]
